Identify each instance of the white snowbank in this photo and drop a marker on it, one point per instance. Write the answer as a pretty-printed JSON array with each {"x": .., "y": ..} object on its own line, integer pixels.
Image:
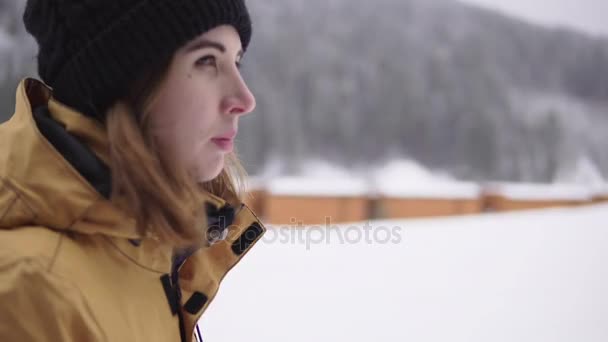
[
  {"x": 399, "y": 178},
  {"x": 540, "y": 192},
  {"x": 407, "y": 179},
  {"x": 317, "y": 187},
  {"x": 600, "y": 190},
  {"x": 318, "y": 179},
  {"x": 323, "y": 169},
  {"x": 526, "y": 277}
]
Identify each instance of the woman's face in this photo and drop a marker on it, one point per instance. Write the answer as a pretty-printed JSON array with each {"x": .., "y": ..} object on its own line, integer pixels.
[{"x": 195, "y": 115}]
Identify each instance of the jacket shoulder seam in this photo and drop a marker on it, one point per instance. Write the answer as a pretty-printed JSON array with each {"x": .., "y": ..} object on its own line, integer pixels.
[
  {"x": 47, "y": 260},
  {"x": 3, "y": 184},
  {"x": 55, "y": 255},
  {"x": 7, "y": 183}
]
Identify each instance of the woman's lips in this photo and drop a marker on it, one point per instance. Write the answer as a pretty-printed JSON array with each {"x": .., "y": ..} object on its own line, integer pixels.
[
  {"x": 225, "y": 144},
  {"x": 225, "y": 141}
]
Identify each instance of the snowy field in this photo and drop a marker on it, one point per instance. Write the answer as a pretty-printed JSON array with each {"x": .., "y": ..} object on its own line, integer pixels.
[{"x": 535, "y": 276}]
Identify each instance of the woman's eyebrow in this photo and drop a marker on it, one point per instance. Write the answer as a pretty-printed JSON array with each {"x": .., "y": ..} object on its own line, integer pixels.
[{"x": 205, "y": 43}]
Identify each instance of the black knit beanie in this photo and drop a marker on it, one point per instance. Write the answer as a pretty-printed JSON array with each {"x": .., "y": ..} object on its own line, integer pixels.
[{"x": 92, "y": 50}]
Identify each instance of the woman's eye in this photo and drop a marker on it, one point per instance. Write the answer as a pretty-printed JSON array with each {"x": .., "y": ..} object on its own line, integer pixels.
[{"x": 207, "y": 60}]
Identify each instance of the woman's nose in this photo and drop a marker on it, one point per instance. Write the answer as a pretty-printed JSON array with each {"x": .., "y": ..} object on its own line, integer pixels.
[{"x": 241, "y": 101}]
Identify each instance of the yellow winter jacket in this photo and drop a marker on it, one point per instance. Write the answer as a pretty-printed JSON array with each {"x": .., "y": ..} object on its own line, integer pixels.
[{"x": 72, "y": 266}]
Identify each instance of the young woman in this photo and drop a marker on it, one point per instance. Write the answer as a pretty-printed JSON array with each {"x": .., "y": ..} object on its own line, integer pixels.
[{"x": 120, "y": 195}]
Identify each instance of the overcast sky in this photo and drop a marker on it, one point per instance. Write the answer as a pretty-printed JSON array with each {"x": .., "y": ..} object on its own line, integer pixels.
[{"x": 586, "y": 15}]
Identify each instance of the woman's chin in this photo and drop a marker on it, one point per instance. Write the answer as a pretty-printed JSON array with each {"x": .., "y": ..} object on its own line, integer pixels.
[{"x": 210, "y": 170}]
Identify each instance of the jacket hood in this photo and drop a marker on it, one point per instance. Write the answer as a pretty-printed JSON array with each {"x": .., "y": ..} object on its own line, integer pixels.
[{"x": 53, "y": 169}]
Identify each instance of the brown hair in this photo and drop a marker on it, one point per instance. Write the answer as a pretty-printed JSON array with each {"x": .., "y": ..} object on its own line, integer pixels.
[{"x": 167, "y": 203}]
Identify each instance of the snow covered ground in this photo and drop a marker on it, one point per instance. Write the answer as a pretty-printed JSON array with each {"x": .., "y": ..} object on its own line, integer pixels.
[{"x": 533, "y": 276}]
